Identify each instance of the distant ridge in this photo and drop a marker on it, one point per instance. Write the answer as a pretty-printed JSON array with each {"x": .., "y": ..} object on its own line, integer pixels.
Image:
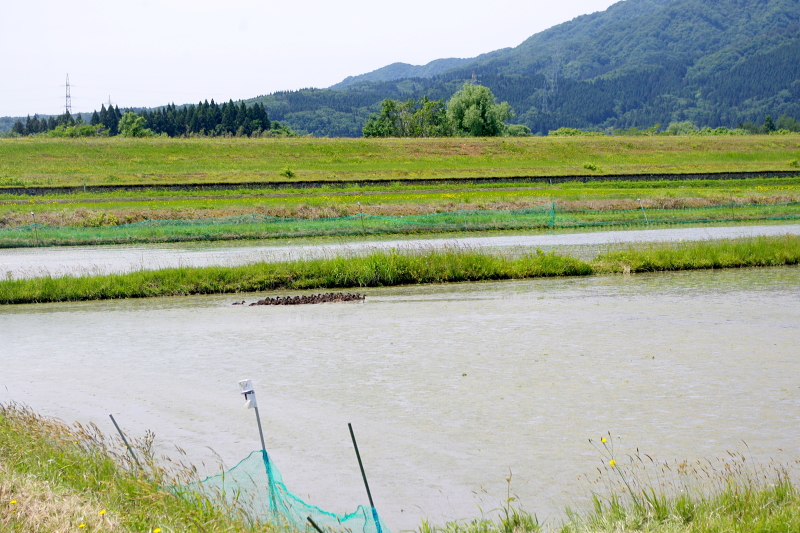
[{"x": 397, "y": 71}]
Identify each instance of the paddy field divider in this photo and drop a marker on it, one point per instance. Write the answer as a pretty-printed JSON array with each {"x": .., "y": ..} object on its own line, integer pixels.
[{"x": 405, "y": 267}]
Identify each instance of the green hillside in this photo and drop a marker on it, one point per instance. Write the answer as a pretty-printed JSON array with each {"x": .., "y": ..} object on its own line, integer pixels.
[
  {"x": 398, "y": 71},
  {"x": 640, "y": 62}
]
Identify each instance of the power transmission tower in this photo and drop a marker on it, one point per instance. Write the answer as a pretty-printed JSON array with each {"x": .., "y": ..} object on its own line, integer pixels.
[{"x": 68, "y": 105}]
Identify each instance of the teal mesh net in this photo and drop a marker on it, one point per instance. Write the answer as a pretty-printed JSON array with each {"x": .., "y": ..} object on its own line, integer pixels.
[
  {"x": 254, "y": 226},
  {"x": 255, "y": 488}
]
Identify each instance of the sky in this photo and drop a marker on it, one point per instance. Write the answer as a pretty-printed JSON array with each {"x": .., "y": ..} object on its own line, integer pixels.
[{"x": 145, "y": 53}]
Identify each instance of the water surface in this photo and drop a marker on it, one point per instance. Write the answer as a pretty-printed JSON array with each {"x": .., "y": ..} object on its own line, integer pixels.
[
  {"x": 449, "y": 387},
  {"x": 77, "y": 260}
]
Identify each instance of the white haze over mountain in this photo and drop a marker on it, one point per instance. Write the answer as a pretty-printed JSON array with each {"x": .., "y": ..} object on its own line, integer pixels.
[{"x": 149, "y": 53}]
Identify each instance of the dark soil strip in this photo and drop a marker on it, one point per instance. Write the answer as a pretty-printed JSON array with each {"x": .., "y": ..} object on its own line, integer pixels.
[{"x": 37, "y": 191}]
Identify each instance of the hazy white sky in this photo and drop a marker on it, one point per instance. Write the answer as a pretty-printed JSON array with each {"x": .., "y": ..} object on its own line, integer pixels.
[{"x": 152, "y": 52}]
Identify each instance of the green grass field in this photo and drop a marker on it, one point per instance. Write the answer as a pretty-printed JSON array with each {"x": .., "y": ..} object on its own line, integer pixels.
[{"x": 115, "y": 160}]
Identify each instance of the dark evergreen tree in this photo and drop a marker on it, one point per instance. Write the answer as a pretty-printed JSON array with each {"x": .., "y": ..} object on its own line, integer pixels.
[
  {"x": 229, "y": 117},
  {"x": 32, "y": 125}
]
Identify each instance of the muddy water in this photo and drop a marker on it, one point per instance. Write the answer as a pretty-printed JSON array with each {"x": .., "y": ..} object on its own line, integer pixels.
[
  {"x": 448, "y": 387},
  {"x": 76, "y": 260}
]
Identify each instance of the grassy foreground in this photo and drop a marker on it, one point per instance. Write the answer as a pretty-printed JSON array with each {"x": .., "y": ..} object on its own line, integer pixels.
[
  {"x": 391, "y": 268},
  {"x": 59, "y": 478}
]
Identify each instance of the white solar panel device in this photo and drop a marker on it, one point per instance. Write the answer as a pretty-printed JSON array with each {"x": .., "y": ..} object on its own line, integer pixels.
[{"x": 249, "y": 394}]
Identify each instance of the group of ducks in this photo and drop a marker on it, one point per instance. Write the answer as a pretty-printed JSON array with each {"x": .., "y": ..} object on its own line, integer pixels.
[{"x": 329, "y": 297}]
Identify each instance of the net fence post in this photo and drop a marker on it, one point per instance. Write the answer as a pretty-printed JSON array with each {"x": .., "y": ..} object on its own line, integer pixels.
[{"x": 366, "y": 484}]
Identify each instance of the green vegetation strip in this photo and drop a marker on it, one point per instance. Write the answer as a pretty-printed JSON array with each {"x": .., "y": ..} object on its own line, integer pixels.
[{"x": 392, "y": 268}]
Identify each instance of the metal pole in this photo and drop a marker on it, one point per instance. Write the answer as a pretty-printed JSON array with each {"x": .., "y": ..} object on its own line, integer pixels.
[
  {"x": 260, "y": 431},
  {"x": 363, "y": 231},
  {"x": 360, "y": 465},
  {"x": 35, "y": 229},
  {"x": 363, "y": 475},
  {"x": 314, "y": 524},
  {"x": 128, "y": 446}
]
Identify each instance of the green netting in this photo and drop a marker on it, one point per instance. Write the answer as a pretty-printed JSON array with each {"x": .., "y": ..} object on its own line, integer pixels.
[
  {"x": 253, "y": 226},
  {"x": 255, "y": 487}
]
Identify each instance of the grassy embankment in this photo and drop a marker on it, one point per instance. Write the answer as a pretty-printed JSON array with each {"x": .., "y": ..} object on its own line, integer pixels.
[
  {"x": 117, "y": 160},
  {"x": 190, "y": 161},
  {"x": 391, "y": 268},
  {"x": 55, "y": 477}
]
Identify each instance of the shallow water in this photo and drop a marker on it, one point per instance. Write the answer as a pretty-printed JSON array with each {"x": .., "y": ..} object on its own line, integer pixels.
[
  {"x": 680, "y": 365},
  {"x": 77, "y": 260}
]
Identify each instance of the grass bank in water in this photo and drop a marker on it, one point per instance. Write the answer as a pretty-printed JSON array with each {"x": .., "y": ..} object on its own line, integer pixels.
[
  {"x": 57, "y": 477},
  {"x": 391, "y": 268}
]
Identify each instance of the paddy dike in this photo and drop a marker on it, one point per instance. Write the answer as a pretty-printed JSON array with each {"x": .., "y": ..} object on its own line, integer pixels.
[{"x": 311, "y": 184}]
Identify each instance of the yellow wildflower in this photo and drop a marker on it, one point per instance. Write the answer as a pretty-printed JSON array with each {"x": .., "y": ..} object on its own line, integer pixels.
[
  {"x": 612, "y": 462},
  {"x": 103, "y": 512},
  {"x": 157, "y": 530},
  {"x": 604, "y": 440},
  {"x": 13, "y": 501},
  {"x": 82, "y": 525}
]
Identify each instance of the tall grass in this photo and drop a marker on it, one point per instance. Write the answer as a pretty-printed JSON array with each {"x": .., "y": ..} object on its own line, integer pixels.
[
  {"x": 636, "y": 493},
  {"x": 374, "y": 270},
  {"x": 734, "y": 253},
  {"x": 99, "y": 488},
  {"x": 388, "y": 268}
]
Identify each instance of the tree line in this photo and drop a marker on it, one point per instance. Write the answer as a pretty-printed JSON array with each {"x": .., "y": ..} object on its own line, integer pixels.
[
  {"x": 204, "y": 119},
  {"x": 472, "y": 111}
]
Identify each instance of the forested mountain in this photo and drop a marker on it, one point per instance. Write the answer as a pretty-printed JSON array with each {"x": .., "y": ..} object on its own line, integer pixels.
[
  {"x": 640, "y": 62},
  {"x": 398, "y": 71}
]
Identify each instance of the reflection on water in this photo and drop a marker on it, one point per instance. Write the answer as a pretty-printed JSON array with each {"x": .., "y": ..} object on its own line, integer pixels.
[
  {"x": 78, "y": 260},
  {"x": 448, "y": 387}
]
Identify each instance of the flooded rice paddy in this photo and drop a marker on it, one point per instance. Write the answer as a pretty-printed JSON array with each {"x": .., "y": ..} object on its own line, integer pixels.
[
  {"x": 448, "y": 387},
  {"x": 79, "y": 260}
]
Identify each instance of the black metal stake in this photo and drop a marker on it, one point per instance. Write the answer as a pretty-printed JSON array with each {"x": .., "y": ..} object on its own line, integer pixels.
[
  {"x": 360, "y": 465},
  {"x": 124, "y": 440},
  {"x": 314, "y": 525},
  {"x": 363, "y": 475}
]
